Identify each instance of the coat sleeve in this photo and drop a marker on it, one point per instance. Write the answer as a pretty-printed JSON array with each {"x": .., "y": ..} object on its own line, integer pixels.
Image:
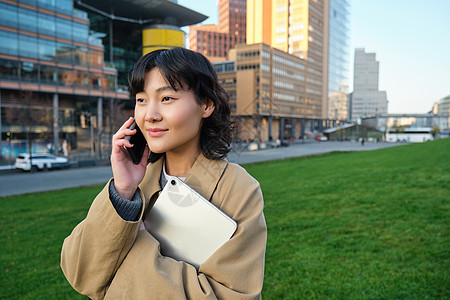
[
  {"x": 94, "y": 250},
  {"x": 234, "y": 271}
]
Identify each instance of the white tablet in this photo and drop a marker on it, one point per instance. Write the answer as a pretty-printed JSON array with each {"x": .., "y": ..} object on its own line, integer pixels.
[{"x": 188, "y": 227}]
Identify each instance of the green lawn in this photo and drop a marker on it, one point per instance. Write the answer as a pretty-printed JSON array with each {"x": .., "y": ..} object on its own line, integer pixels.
[{"x": 364, "y": 225}]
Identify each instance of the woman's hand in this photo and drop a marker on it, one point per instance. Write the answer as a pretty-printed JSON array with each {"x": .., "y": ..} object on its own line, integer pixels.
[{"x": 127, "y": 175}]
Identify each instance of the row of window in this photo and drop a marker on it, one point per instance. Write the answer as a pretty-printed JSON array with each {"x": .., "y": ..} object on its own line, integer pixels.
[
  {"x": 288, "y": 62},
  {"x": 63, "y": 5},
  {"x": 289, "y": 74},
  {"x": 283, "y": 84},
  {"x": 31, "y": 20},
  {"x": 248, "y": 54},
  {"x": 247, "y": 67},
  {"x": 38, "y": 48},
  {"x": 313, "y": 91},
  {"x": 224, "y": 67},
  {"x": 32, "y": 72}
]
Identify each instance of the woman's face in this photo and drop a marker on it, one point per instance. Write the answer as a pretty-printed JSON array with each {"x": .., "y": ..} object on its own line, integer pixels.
[{"x": 170, "y": 120}]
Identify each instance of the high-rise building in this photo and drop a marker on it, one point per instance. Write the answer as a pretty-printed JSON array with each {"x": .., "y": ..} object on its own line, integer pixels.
[
  {"x": 214, "y": 41},
  {"x": 269, "y": 93},
  {"x": 366, "y": 98},
  {"x": 299, "y": 28},
  {"x": 56, "y": 79},
  {"x": 338, "y": 62}
]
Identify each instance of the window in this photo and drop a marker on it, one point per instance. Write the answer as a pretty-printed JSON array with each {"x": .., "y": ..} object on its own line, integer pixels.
[
  {"x": 9, "y": 69},
  {"x": 64, "y": 28},
  {"x": 47, "y": 49},
  {"x": 64, "y": 53},
  {"x": 46, "y": 24},
  {"x": 27, "y": 19},
  {"x": 111, "y": 82},
  {"x": 80, "y": 55},
  {"x": 65, "y": 5},
  {"x": 28, "y": 71},
  {"x": 9, "y": 43},
  {"x": 48, "y": 74},
  {"x": 81, "y": 79},
  {"x": 9, "y": 14},
  {"x": 28, "y": 46},
  {"x": 65, "y": 77},
  {"x": 80, "y": 32},
  {"x": 49, "y": 4}
]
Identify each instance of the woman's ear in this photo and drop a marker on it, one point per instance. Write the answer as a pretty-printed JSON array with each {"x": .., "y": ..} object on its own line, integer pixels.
[{"x": 208, "y": 108}]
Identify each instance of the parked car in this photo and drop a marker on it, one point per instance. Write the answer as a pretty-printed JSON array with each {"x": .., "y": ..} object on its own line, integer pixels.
[
  {"x": 40, "y": 162},
  {"x": 321, "y": 138}
]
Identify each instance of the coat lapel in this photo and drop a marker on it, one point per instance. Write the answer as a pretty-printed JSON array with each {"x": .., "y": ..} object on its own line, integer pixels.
[
  {"x": 150, "y": 184},
  {"x": 205, "y": 175}
]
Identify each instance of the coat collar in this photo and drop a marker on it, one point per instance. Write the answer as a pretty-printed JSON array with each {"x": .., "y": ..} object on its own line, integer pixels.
[{"x": 203, "y": 176}]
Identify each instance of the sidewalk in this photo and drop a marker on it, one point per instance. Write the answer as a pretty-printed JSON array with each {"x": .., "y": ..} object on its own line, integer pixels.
[{"x": 303, "y": 149}]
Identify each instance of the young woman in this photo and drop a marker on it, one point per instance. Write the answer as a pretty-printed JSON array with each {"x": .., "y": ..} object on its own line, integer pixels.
[{"x": 184, "y": 115}]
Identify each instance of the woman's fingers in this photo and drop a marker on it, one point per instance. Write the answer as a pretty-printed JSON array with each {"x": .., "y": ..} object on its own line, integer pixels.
[
  {"x": 123, "y": 133},
  {"x": 127, "y": 123},
  {"x": 123, "y": 143}
]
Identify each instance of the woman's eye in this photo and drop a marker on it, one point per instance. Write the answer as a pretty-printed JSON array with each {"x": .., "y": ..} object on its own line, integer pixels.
[
  {"x": 140, "y": 100},
  {"x": 164, "y": 99}
]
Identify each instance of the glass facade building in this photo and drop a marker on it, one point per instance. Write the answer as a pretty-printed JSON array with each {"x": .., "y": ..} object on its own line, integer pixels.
[
  {"x": 42, "y": 42},
  {"x": 64, "y": 66},
  {"x": 338, "y": 59},
  {"x": 52, "y": 77}
]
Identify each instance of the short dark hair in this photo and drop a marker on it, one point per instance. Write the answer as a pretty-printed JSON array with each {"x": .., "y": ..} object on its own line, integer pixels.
[{"x": 189, "y": 70}]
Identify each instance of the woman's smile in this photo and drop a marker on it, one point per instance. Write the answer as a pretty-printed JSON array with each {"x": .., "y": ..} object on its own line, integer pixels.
[{"x": 156, "y": 132}]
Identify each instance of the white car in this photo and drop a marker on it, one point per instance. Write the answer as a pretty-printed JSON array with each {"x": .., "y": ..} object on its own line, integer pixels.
[{"x": 40, "y": 162}]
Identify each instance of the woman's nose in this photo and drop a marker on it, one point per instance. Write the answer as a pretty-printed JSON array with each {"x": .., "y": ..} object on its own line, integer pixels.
[{"x": 152, "y": 115}]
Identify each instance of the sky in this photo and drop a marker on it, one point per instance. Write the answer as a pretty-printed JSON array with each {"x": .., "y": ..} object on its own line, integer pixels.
[{"x": 411, "y": 39}]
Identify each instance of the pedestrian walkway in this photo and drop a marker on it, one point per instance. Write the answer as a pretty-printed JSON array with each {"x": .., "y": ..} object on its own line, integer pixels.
[{"x": 308, "y": 148}]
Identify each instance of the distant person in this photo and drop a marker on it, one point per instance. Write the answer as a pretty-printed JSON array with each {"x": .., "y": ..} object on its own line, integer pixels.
[
  {"x": 65, "y": 148},
  {"x": 362, "y": 142},
  {"x": 50, "y": 148},
  {"x": 184, "y": 115}
]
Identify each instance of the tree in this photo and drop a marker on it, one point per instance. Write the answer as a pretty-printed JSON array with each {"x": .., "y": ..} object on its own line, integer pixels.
[{"x": 30, "y": 112}]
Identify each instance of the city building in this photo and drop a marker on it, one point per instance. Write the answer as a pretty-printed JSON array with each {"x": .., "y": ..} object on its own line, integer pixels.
[
  {"x": 442, "y": 108},
  {"x": 63, "y": 67},
  {"x": 130, "y": 29},
  {"x": 339, "y": 59},
  {"x": 214, "y": 41},
  {"x": 366, "y": 99},
  {"x": 300, "y": 28},
  {"x": 271, "y": 94}
]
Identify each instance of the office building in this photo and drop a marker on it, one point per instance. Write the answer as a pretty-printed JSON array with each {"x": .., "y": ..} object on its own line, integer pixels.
[
  {"x": 214, "y": 41},
  {"x": 55, "y": 83},
  {"x": 339, "y": 60},
  {"x": 366, "y": 98},
  {"x": 299, "y": 28},
  {"x": 271, "y": 95}
]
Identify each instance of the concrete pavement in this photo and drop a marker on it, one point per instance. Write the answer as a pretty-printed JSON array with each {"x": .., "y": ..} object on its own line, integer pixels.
[{"x": 15, "y": 183}]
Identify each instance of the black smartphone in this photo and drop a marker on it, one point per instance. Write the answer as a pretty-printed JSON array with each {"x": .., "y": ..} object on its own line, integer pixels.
[{"x": 138, "y": 141}]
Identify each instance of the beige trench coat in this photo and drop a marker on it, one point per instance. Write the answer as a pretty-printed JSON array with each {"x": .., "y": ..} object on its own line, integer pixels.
[{"x": 106, "y": 257}]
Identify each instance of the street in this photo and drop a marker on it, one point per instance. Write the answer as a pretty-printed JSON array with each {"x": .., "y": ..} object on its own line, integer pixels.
[{"x": 16, "y": 183}]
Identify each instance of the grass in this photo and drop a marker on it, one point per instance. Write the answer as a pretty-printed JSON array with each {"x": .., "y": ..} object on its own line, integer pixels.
[{"x": 361, "y": 225}]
